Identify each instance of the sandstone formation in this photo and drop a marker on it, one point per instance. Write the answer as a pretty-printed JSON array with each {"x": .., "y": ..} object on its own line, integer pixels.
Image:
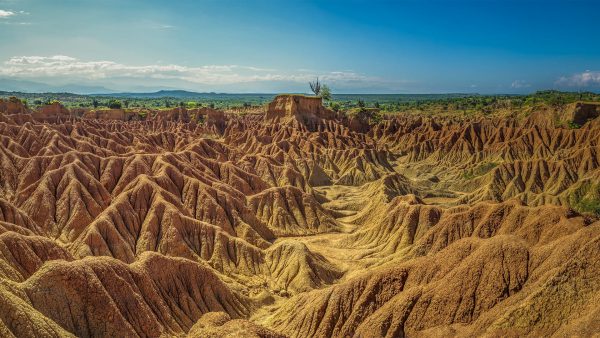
[
  {"x": 299, "y": 108},
  {"x": 12, "y": 106},
  {"x": 111, "y": 114},
  {"x": 300, "y": 222}
]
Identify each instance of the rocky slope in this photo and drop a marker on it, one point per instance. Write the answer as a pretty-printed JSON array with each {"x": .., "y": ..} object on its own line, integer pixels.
[{"x": 297, "y": 223}]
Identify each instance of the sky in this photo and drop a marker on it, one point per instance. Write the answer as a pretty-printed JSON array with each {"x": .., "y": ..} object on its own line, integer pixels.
[{"x": 425, "y": 46}]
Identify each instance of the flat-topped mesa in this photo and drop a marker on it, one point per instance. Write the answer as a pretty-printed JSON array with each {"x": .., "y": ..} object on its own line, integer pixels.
[
  {"x": 51, "y": 112},
  {"x": 298, "y": 107},
  {"x": 214, "y": 118},
  {"x": 13, "y": 106},
  {"x": 175, "y": 114},
  {"x": 54, "y": 108},
  {"x": 572, "y": 114},
  {"x": 111, "y": 114},
  {"x": 584, "y": 112}
]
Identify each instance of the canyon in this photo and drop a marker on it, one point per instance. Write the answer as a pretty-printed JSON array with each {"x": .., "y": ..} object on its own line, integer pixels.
[{"x": 298, "y": 221}]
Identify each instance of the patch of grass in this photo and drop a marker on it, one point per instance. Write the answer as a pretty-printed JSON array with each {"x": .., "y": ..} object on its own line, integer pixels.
[
  {"x": 468, "y": 175},
  {"x": 480, "y": 170},
  {"x": 586, "y": 199},
  {"x": 573, "y": 125},
  {"x": 588, "y": 206}
]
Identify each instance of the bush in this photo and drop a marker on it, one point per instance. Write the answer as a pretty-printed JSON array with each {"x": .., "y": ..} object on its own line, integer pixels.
[
  {"x": 588, "y": 206},
  {"x": 326, "y": 93},
  {"x": 480, "y": 170},
  {"x": 335, "y": 106},
  {"x": 586, "y": 199},
  {"x": 114, "y": 104}
]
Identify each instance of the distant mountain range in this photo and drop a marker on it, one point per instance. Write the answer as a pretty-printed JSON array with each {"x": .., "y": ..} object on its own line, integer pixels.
[
  {"x": 16, "y": 87},
  {"x": 26, "y": 86},
  {"x": 180, "y": 94}
]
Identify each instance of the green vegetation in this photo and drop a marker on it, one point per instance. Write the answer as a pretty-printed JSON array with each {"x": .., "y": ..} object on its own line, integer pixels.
[
  {"x": 587, "y": 206},
  {"x": 387, "y": 103},
  {"x": 326, "y": 93},
  {"x": 335, "y": 106},
  {"x": 115, "y": 104},
  {"x": 586, "y": 199},
  {"x": 480, "y": 170},
  {"x": 573, "y": 125},
  {"x": 362, "y": 112}
]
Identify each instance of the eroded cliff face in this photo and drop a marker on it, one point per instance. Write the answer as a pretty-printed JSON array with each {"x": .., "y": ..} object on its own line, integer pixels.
[
  {"x": 306, "y": 110},
  {"x": 12, "y": 106},
  {"x": 297, "y": 224}
]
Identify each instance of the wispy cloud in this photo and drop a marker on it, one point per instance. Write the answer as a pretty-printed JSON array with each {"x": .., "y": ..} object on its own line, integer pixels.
[
  {"x": 518, "y": 84},
  {"x": 584, "y": 79},
  {"x": 21, "y": 23},
  {"x": 5, "y": 13},
  {"x": 66, "y": 67}
]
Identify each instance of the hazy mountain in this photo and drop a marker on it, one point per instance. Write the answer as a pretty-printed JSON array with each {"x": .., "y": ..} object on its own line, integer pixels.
[{"x": 14, "y": 85}]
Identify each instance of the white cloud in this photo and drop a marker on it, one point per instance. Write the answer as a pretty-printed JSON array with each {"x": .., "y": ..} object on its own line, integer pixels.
[
  {"x": 66, "y": 67},
  {"x": 5, "y": 14},
  {"x": 520, "y": 84},
  {"x": 22, "y": 23},
  {"x": 585, "y": 79}
]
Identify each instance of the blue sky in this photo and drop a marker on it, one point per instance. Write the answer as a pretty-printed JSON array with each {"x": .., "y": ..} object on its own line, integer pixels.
[{"x": 277, "y": 46}]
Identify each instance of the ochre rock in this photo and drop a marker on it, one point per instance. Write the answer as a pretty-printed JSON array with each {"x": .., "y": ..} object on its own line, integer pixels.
[
  {"x": 12, "y": 106},
  {"x": 298, "y": 223},
  {"x": 304, "y": 109}
]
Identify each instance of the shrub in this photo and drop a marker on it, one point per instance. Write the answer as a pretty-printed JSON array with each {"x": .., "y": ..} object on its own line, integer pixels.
[
  {"x": 114, "y": 104},
  {"x": 335, "y": 106},
  {"x": 586, "y": 199},
  {"x": 587, "y": 206},
  {"x": 325, "y": 92},
  {"x": 480, "y": 170}
]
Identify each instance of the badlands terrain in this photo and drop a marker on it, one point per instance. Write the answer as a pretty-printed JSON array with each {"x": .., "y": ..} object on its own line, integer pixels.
[{"x": 298, "y": 221}]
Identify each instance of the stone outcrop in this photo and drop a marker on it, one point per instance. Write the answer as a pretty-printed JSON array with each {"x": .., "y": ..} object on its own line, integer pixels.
[
  {"x": 583, "y": 112},
  {"x": 175, "y": 114},
  {"x": 12, "y": 106},
  {"x": 305, "y": 109},
  {"x": 111, "y": 114}
]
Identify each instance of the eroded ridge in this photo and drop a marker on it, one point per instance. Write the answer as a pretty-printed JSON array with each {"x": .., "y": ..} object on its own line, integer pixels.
[{"x": 299, "y": 222}]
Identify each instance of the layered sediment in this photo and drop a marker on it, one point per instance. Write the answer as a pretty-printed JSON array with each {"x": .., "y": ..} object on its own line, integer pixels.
[{"x": 297, "y": 222}]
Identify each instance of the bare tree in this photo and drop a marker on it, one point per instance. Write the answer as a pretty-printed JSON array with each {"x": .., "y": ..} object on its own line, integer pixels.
[{"x": 315, "y": 87}]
